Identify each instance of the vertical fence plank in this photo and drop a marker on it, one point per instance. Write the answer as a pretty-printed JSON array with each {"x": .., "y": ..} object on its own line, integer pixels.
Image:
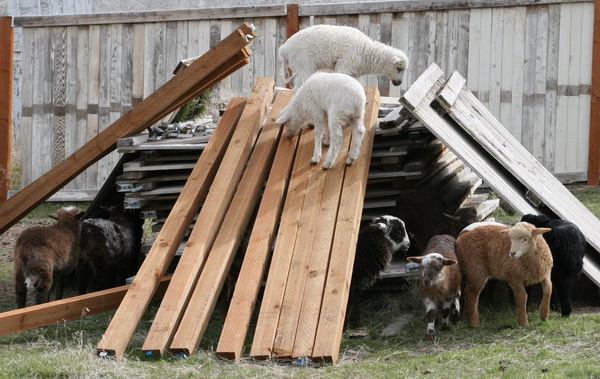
[
  {"x": 594, "y": 142},
  {"x": 6, "y": 79}
]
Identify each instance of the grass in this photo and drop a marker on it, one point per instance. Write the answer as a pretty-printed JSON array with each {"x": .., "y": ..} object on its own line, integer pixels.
[{"x": 558, "y": 347}]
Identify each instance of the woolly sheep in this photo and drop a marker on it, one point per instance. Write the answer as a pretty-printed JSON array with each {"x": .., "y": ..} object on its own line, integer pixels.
[
  {"x": 440, "y": 280},
  {"x": 329, "y": 101},
  {"x": 109, "y": 248},
  {"x": 340, "y": 49},
  {"x": 567, "y": 244},
  {"x": 517, "y": 254},
  {"x": 376, "y": 244},
  {"x": 46, "y": 255}
]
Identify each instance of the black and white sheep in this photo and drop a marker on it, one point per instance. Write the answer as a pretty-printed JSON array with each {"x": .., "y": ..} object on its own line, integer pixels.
[
  {"x": 340, "y": 49},
  {"x": 46, "y": 255},
  {"x": 518, "y": 255},
  {"x": 329, "y": 101},
  {"x": 568, "y": 246},
  {"x": 377, "y": 242},
  {"x": 440, "y": 280},
  {"x": 110, "y": 248}
]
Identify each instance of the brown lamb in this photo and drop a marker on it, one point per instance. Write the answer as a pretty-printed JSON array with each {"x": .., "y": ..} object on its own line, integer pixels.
[
  {"x": 517, "y": 254},
  {"x": 46, "y": 255}
]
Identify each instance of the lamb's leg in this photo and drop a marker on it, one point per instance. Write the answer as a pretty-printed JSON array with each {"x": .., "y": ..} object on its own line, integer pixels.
[
  {"x": 446, "y": 308},
  {"x": 455, "y": 309},
  {"x": 431, "y": 313},
  {"x": 42, "y": 289},
  {"x": 317, "y": 151},
  {"x": 20, "y": 288},
  {"x": 520, "y": 295},
  {"x": 326, "y": 138},
  {"x": 60, "y": 286},
  {"x": 472, "y": 290},
  {"x": 358, "y": 132},
  {"x": 563, "y": 289},
  {"x": 336, "y": 135},
  {"x": 546, "y": 293}
]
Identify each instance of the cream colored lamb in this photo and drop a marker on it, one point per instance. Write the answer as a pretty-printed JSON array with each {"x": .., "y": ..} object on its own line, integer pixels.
[
  {"x": 328, "y": 101},
  {"x": 341, "y": 49}
]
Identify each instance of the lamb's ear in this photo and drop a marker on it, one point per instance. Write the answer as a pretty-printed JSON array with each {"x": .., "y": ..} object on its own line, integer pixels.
[
  {"x": 284, "y": 116},
  {"x": 53, "y": 215},
  {"x": 415, "y": 259},
  {"x": 504, "y": 232},
  {"x": 448, "y": 262},
  {"x": 79, "y": 215},
  {"x": 538, "y": 231},
  {"x": 400, "y": 63}
]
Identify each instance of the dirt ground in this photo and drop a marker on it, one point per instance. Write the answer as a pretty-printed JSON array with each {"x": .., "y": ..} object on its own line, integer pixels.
[{"x": 7, "y": 241}]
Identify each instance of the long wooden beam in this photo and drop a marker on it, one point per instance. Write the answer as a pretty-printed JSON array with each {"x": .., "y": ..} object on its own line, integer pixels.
[
  {"x": 157, "y": 105},
  {"x": 270, "y": 308},
  {"x": 594, "y": 139},
  {"x": 209, "y": 220},
  {"x": 136, "y": 301},
  {"x": 339, "y": 274},
  {"x": 235, "y": 328},
  {"x": 204, "y": 297},
  {"x": 6, "y": 79},
  {"x": 71, "y": 308}
]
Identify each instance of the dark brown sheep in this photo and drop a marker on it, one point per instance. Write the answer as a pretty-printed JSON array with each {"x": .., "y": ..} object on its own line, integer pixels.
[{"x": 46, "y": 255}]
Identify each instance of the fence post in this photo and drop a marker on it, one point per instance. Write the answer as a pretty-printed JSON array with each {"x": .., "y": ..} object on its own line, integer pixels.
[
  {"x": 594, "y": 140},
  {"x": 6, "y": 78},
  {"x": 293, "y": 23}
]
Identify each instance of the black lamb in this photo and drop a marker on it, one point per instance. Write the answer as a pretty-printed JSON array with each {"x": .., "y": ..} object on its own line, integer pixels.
[
  {"x": 567, "y": 244},
  {"x": 376, "y": 244}
]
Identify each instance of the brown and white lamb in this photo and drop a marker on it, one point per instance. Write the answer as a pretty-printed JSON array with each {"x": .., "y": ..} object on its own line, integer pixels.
[
  {"x": 46, "y": 255},
  {"x": 517, "y": 254},
  {"x": 440, "y": 280}
]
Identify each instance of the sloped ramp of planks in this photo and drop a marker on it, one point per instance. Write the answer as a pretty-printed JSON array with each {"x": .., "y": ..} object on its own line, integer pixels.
[
  {"x": 481, "y": 142},
  {"x": 315, "y": 215}
]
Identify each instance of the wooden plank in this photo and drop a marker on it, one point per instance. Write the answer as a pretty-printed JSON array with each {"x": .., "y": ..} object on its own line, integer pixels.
[
  {"x": 302, "y": 264},
  {"x": 575, "y": 55},
  {"x": 585, "y": 82},
  {"x": 508, "y": 40},
  {"x": 540, "y": 119},
  {"x": 292, "y": 20},
  {"x": 594, "y": 138},
  {"x": 270, "y": 309},
  {"x": 495, "y": 78},
  {"x": 255, "y": 261},
  {"x": 562, "y": 109},
  {"x": 27, "y": 106},
  {"x": 339, "y": 273},
  {"x": 348, "y": 8},
  {"x": 314, "y": 286},
  {"x": 464, "y": 148},
  {"x": 487, "y": 131},
  {"x": 209, "y": 220},
  {"x": 132, "y": 122},
  {"x": 92, "y": 99},
  {"x": 6, "y": 80},
  {"x": 204, "y": 297},
  {"x": 127, "y": 317},
  {"x": 71, "y": 308},
  {"x": 529, "y": 78},
  {"x": 551, "y": 87},
  {"x": 153, "y": 16},
  {"x": 518, "y": 75}
]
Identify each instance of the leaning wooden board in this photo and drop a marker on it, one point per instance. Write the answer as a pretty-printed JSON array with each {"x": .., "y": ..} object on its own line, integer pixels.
[{"x": 476, "y": 120}]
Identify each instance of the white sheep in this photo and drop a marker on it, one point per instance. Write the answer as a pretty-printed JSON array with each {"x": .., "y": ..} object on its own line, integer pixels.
[
  {"x": 341, "y": 49},
  {"x": 328, "y": 101},
  {"x": 517, "y": 254}
]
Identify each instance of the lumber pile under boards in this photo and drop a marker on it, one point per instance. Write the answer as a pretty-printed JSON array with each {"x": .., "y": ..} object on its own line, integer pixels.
[{"x": 219, "y": 62}]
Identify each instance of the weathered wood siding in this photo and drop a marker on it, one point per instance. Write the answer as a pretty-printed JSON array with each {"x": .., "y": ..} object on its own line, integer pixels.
[{"x": 529, "y": 64}]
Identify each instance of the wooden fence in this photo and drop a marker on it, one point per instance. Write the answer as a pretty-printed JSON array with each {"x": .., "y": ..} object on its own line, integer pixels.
[{"x": 530, "y": 64}]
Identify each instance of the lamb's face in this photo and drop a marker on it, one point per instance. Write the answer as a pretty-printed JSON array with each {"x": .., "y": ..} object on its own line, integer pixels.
[
  {"x": 522, "y": 238},
  {"x": 291, "y": 125},
  {"x": 396, "y": 68},
  {"x": 394, "y": 231},
  {"x": 432, "y": 265}
]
